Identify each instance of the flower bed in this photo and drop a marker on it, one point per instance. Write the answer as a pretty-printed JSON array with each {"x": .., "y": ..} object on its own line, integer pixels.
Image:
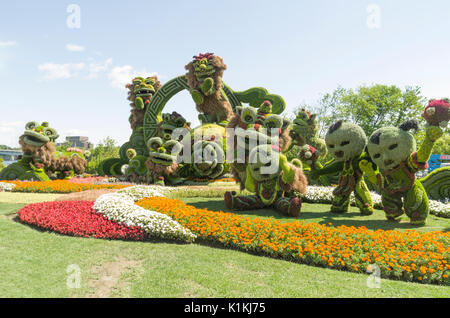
[
  {"x": 58, "y": 186},
  {"x": 120, "y": 207},
  {"x": 77, "y": 218},
  {"x": 6, "y": 186},
  {"x": 410, "y": 255}
]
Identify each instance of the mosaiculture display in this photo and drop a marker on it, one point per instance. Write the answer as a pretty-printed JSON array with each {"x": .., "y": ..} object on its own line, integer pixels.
[{"x": 279, "y": 163}]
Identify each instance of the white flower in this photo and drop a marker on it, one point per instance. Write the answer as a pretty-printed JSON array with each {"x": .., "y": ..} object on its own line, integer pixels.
[
  {"x": 120, "y": 207},
  {"x": 320, "y": 194},
  {"x": 6, "y": 186}
]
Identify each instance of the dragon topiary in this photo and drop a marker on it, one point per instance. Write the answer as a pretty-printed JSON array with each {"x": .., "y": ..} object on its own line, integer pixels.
[
  {"x": 40, "y": 160},
  {"x": 204, "y": 78},
  {"x": 346, "y": 143},
  {"x": 393, "y": 150},
  {"x": 270, "y": 177}
]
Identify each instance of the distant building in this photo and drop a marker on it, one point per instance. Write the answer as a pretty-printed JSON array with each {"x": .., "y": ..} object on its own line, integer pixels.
[{"x": 79, "y": 142}]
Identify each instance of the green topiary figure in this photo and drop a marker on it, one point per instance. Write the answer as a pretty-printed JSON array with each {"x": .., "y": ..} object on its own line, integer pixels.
[
  {"x": 169, "y": 123},
  {"x": 40, "y": 158},
  {"x": 346, "y": 143},
  {"x": 204, "y": 78},
  {"x": 304, "y": 131},
  {"x": 393, "y": 150},
  {"x": 162, "y": 161},
  {"x": 269, "y": 176},
  {"x": 251, "y": 126}
]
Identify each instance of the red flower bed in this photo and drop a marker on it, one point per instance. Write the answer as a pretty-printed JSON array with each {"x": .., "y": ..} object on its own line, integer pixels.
[{"x": 77, "y": 218}]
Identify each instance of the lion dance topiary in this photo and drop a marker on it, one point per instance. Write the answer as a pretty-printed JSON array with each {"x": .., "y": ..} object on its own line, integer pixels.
[
  {"x": 204, "y": 78},
  {"x": 40, "y": 160}
]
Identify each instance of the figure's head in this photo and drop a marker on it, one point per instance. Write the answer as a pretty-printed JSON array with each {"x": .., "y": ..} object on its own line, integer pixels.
[
  {"x": 143, "y": 87},
  {"x": 36, "y": 135},
  {"x": 169, "y": 123},
  {"x": 389, "y": 146},
  {"x": 264, "y": 163},
  {"x": 163, "y": 152},
  {"x": 203, "y": 66},
  {"x": 260, "y": 127},
  {"x": 345, "y": 140}
]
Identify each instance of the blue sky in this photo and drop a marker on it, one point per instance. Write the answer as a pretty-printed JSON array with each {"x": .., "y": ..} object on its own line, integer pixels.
[{"x": 74, "y": 77}]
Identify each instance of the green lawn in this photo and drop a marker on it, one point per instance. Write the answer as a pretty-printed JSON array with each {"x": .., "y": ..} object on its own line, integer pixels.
[{"x": 34, "y": 264}]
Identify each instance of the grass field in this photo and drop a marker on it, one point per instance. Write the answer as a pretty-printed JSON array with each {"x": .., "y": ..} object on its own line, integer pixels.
[{"x": 34, "y": 263}]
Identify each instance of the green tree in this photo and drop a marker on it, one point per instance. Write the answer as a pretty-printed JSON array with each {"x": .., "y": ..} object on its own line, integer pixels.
[
  {"x": 442, "y": 145},
  {"x": 105, "y": 149},
  {"x": 1, "y": 164},
  {"x": 371, "y": 107}
]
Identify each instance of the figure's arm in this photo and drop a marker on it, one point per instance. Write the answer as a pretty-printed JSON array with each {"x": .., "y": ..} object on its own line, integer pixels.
[
  {"x": 372, "y": 175},
  {"x": 288, "y": 173},
  {"x": 433, "y": 133},
  {"x": 249, "y": 182},
  {"x": 329, "y": 168}
]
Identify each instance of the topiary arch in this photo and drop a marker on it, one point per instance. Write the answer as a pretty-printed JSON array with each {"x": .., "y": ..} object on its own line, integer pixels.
[{"x": 253, "y": 96}]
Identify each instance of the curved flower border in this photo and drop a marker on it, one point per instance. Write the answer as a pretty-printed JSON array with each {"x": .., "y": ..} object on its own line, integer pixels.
[{"x": 120, "y": 207}]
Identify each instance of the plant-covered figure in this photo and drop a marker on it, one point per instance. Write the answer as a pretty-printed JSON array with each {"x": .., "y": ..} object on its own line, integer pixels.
[
  {"x": 270, "y": 177},
  {"x": 136, "y": 170},
  {"x": 40, "y": 159},
  {"x": 437, "y": 113},
  {"x": 346, "y": 143},
  {"x": 169, "y": 123},
  {"x": 162, "y": 161},
  {"x": 251, "y": 126},
  {"x": 204, "y": 78},
  {"x": 304, "y": 131},
  {"x": 140, "y": 93},
  {"x": 393, "y": 150}
]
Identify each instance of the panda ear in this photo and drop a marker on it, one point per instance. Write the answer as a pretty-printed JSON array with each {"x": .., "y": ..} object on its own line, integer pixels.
[{"x": 410, "y": 124}]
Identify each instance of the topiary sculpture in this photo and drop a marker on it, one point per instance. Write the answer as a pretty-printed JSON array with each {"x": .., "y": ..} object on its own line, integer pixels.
[
  {"x": 204, "y": 78},
  {"x": 40, "y": 158},
  {"x": 253, "y": 126},
  {"x": 346, "y": 143},
  {"x": 269, "y": 176},
  {"x": 393, "y": 150},
  {"x": 162, "y": 161}
]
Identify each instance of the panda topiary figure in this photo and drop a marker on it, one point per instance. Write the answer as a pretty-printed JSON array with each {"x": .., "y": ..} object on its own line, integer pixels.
[
  {"x": 393, "y": 150},
  {"x": 346, "y": 143}
]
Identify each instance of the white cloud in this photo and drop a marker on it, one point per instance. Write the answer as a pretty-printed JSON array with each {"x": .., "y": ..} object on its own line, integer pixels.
[
  {"x": 7, "y": 43},
  {"x": 57, "y": 71},
  {"x": 74, "y": 47},
  {"x": 121, "y": 75},
  {"x": 10, "y": 132},
  {"x": 96, "y": 68}
]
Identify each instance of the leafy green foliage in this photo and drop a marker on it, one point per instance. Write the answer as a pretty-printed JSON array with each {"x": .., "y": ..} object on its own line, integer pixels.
[
  {"x": 107, "y": 148},
  {"x": 1, "y": 164},
  {"x": 371, "y": 107}
]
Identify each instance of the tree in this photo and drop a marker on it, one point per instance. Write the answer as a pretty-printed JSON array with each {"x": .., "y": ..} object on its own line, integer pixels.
[
  {"x": 371, "y": 107},
  {"x": 105, "y": 149}
]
